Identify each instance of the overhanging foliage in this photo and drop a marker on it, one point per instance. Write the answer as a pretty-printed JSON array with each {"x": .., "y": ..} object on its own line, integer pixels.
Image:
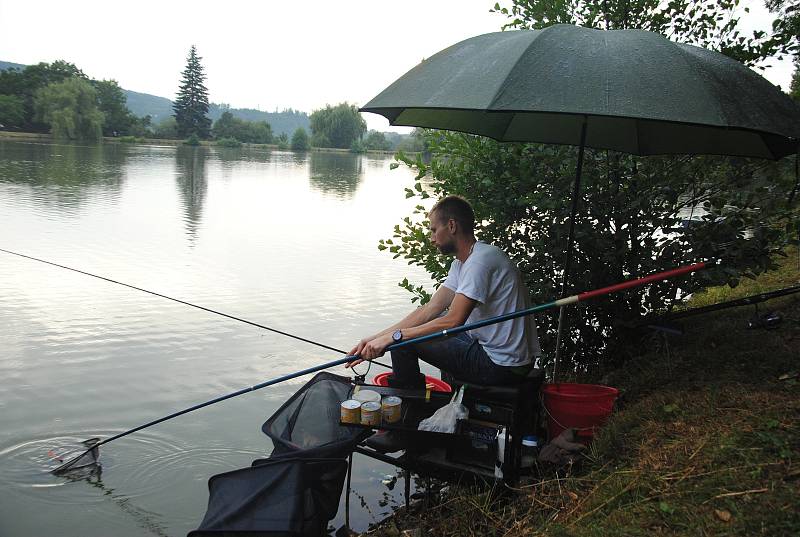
[{"x": 636, "y": 215}]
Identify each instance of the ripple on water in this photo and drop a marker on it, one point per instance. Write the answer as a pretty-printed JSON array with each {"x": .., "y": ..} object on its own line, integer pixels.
[
  {"x": 140, "y": 465},
  {"x": 26, "y": 466}
]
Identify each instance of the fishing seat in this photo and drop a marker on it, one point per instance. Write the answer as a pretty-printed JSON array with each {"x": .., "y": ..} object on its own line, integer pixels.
[{"x": 514, "y": 407}]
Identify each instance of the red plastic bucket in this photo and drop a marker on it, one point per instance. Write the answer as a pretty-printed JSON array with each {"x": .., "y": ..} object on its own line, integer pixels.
[
  {"x": 583, "y": 406},
  {"x": 436, "y": 385}
]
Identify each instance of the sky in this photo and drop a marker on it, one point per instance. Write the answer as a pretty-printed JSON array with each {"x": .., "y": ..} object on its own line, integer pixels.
[{"x": 263, "y": 54}]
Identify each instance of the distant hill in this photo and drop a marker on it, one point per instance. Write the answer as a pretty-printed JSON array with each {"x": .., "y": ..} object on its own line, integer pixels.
[
  {"x": 143, "y": 104},
  {"x": 287, "y": 121},
  {"x": 160, "y": 108},
  {"x": 11, "y": 65}
]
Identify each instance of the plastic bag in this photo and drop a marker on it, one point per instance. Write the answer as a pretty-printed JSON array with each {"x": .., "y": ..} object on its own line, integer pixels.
[{"x": 445, "y": 419}]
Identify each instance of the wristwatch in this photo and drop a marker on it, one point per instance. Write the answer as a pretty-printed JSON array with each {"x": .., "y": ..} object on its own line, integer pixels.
[{"x": 397, "y": 337}]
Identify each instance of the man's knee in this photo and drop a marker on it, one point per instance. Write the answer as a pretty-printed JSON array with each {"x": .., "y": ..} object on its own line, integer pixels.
[
  {"x": 407, "y": 352},
  {"x": 414, "y": 381}
]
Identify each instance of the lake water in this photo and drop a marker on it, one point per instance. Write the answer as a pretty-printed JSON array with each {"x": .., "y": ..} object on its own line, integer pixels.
[{"x": 284, "y": 239}]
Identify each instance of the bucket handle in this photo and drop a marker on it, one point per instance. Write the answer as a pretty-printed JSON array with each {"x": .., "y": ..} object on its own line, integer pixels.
[{"x": 581, "y": 431}]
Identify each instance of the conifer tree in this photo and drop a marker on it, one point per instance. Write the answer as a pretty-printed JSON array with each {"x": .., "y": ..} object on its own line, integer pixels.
[{"x": 191, "y": 103}]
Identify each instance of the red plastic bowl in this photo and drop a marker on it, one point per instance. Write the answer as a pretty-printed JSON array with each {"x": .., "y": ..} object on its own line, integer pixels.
[
  {"x": 436, "y": 385},
  {"x": 585, "y": 407}
]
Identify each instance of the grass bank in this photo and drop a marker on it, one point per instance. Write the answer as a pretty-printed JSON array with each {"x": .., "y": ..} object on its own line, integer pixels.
[{"x": 705, "y": 441}]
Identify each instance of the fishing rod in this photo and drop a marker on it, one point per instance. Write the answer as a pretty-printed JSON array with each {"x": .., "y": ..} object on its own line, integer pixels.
[
  {"x": 745, "y": 301},
  {"x": 318, "y": 344},
  {"x": 580, "y": 297},
  {"x": 93, "y": 443}
]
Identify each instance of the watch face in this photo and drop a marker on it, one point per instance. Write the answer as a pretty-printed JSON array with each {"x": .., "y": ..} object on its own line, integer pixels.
[{"x": 397, "y": 336}]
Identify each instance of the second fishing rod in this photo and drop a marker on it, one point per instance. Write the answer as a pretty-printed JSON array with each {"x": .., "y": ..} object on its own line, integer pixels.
[{"x": 184, "y": 302}]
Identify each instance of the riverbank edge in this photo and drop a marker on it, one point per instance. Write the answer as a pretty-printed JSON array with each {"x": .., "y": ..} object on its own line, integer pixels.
[
  {"x": 705, "y": 439},
  {"x": 39, "y": 137}
]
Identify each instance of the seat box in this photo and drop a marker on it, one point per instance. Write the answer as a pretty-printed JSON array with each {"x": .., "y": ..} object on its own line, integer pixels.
[
  {"x": 475, "y": 444},
  {"x": 485, "y": 409}
]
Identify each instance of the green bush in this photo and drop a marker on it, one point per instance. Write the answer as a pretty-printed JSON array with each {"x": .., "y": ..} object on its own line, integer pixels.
[
  {"x": 320, "y": 140},
  {"x": 282, "y": 141},
  {"x": 300, "y": 140},
  {"x": 192, "y": 140},
  {"x": 253, "y": 132},
  {"x": 12, "y": 111},
  {"x": 377, "y": 141},
  {"x": 166, "y": 129},
  {"x": 358, "y": 147},
  {"x": 229, "y": 142},
  {"x": 70, "y": 109},
  {"x": 337, "y": 126}
]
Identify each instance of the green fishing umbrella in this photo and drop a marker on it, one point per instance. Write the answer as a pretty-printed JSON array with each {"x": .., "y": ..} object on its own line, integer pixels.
[
  {"x": 636, "y": 91},
  {"x": 625, "y": 90}
]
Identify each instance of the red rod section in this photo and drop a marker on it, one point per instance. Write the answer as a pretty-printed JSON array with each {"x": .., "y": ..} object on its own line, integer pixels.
[{"x": 640, "y": 281}]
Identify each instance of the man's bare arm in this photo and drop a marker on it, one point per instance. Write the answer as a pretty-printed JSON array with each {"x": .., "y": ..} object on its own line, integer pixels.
[
  {"x": 460, "y": 309},
  {"x": 439, "y": 302}
]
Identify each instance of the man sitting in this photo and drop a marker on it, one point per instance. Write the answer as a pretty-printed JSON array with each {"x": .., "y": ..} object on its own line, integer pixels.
[{"x": 482, "y": 283}]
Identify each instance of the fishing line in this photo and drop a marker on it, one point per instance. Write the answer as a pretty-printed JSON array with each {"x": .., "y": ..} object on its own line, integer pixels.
[{"x": 184, "y": 303}]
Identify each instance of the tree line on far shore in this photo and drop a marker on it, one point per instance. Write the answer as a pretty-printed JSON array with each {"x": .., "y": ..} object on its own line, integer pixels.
[
  {"x": 339, "y": 126},
  {"x": 60, "y": 99}
]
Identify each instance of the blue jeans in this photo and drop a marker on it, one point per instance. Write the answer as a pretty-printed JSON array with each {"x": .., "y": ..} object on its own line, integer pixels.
[{"x": 459, "y": 355}]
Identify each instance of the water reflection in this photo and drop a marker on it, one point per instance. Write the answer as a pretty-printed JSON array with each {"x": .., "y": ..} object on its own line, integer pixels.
[
  {"x": 192, "y": 179},
  {"x": 237, "y": 155},
  {"x": 68, "y": 339},
  {"x": 300, "y": 157},
  {"x": 231, "y": 155},
  {"x": 64, "y": 175},
  {"x": 148, "y": 521},
  {"x": 375, "y": 163},
  {"x": 335, "y": 173}
]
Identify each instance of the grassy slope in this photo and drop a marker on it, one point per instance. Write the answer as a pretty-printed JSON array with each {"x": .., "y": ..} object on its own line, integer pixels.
[{"x": 706, "y": 441}]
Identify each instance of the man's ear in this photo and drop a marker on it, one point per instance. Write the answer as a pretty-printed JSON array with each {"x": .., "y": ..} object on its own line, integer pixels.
[{"x": 451, "y": 225}]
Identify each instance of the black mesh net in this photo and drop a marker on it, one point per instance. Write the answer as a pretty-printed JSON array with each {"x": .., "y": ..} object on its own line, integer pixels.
[
  {"x": 297, "y": 489},
  {"x": 282, "y": 497},
  {"x": 80, "y": 462},
  {"x": 307, "y": 425}
]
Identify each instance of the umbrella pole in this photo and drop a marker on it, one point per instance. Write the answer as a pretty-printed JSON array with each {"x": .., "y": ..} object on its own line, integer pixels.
[{"x": 570, "y": 241}]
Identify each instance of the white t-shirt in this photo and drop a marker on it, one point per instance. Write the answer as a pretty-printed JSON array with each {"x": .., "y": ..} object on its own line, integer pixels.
[{"x": 489, "y": 277}]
